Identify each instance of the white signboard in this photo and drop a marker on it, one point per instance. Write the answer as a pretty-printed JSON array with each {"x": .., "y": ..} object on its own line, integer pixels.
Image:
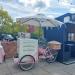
[{"x": 28, "y": 47}]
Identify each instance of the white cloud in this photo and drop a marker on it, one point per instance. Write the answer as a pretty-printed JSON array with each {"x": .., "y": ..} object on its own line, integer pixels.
[
  {"x": 72, "y": 10},
  {"x": 47, "y": 2},
  {"x": 28, "y": 2},
  {"x": 18, "y": 10}
]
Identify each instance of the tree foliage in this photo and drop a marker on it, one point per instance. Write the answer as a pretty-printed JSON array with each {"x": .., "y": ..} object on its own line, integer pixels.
[
  {"x": 6, "y": 21},
  {"x": 16, "y": 27}
]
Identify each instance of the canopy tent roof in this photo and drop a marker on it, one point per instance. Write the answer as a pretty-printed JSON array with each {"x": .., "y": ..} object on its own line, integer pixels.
[{"x": 39, "y": 20}]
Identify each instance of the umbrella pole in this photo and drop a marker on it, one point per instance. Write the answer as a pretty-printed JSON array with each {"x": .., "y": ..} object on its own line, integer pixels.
[{"x": 41, "y": 29}]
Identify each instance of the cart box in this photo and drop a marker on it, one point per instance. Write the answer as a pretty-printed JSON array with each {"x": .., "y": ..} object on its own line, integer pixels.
[{"x": 27, "y": 46}]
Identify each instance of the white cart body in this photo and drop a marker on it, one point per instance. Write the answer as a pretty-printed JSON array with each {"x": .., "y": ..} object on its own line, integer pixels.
[{"x": 27, "y": 46}]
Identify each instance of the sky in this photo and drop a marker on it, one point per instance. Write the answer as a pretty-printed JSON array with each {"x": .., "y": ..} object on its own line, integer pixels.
[{"x": 51, "y": 8}]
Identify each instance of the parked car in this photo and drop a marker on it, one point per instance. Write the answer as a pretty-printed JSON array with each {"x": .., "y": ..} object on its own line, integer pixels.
[
  {"x": 2, "y": 36},
  {"x": 7, "y": 37}
]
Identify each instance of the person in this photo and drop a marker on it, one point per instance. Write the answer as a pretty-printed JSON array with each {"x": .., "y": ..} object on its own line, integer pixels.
[{"x": 2, "y": 53}]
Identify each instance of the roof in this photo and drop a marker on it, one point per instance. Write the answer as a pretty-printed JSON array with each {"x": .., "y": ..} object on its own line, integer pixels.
[{"x": 40, "y": 19}]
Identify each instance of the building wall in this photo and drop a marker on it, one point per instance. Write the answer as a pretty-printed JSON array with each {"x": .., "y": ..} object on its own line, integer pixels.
[
  {"x": 56, "y": 33},
  {"x": 61, "y": 18}
]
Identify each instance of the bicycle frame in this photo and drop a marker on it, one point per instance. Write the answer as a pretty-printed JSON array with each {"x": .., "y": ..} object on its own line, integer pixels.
[{"x": 44, "y": 53}]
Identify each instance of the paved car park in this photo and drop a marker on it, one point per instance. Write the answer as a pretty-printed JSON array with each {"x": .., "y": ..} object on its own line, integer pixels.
[{"x": 41, "y": 68}]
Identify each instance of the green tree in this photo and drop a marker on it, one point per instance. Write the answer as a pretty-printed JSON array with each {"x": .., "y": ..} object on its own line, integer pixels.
[
  {"x": 6, "y": 21},
  {"x": 16, "y": 27}
]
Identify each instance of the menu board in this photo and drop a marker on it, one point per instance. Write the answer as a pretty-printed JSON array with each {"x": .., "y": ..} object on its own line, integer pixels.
[{"x": 28, "y": 47}]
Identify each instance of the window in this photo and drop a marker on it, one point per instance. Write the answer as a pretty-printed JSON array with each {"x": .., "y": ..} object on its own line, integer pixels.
[
  {"x": 73, "y": 17},
  {"x": 71, "y": 36},
  {"x": 66, "y": 19}
]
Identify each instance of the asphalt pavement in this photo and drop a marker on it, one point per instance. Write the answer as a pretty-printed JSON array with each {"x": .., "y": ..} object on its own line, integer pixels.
[{"x": 41, "y": 68}]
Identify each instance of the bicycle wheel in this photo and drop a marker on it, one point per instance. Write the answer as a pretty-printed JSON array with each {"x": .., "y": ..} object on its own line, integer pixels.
[
  {"x": 52, "y": 57},
  {"x": 26, "y": 62}
]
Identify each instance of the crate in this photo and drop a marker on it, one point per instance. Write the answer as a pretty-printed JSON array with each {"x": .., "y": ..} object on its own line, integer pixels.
[{"x": 10, "y": 48}]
